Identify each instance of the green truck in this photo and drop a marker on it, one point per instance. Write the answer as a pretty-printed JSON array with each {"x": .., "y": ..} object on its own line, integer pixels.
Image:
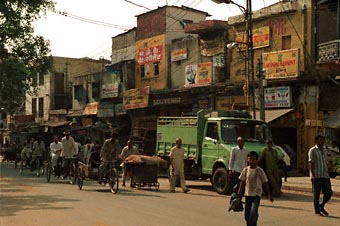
[{"x": 208, "y": 139}]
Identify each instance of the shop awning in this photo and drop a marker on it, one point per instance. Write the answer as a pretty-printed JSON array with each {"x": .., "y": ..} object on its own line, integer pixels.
[
  {"x": 75, "y": 113},
  {"x": 91, "y": 108},
  {"x": 333, "y": 121},
  {"x": 56, "y": 123},
  {"x": 273, "y": 114}
]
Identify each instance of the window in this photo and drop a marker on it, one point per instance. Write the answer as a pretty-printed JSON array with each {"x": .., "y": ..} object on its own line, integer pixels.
[
  {"x": 41, "y": 107},
  {"x": 41, "y": 79},
  {"x": 212, "y": 131},
  {"x": 34, "y": 106},
  {"x": 95, "y": 90},
  {"x": 156, "y": 68},
  {"x": 286, "y": 42},
  {"x": 142, "y": 71},
  {"x": 34, "y": 80},
  {"x": 78, "y": 92}
]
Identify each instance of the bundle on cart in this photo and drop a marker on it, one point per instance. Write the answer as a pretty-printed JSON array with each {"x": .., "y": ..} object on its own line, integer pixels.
[{"x": 144, "y": 170}]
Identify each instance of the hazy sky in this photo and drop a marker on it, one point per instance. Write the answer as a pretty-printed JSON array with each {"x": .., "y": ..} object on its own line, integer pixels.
[{"x": 79, "y": 34}]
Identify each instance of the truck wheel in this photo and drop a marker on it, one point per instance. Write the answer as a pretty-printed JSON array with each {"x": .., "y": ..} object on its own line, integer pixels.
[
  {"x": 332, "y": 174},
  {"x": 220, "y": 182}
]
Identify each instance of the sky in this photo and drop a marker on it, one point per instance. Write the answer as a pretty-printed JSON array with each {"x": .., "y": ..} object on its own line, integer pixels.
[{"x": 77, "y": 30}]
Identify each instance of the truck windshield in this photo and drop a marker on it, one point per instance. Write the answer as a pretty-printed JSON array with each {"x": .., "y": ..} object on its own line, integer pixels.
[{"x": 251, "y": 131}]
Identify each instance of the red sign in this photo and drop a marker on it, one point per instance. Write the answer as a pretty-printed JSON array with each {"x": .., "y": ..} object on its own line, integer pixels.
[{"x": 150, "y": 55}]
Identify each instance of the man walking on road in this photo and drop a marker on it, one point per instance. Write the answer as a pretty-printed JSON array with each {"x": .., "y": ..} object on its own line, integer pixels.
[
  {"x": 317, "y": 158},
  {"x": 177, "y": 166},
  {"x": 128, "y": 150},
  {"x": 237, "y": 161}
]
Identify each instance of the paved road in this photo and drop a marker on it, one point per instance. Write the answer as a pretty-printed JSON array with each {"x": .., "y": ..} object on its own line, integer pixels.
[{"x": 29, "y": 201}]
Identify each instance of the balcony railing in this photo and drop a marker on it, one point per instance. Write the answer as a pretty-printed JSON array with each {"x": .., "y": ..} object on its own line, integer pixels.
[{"x": 329, "y": 51}]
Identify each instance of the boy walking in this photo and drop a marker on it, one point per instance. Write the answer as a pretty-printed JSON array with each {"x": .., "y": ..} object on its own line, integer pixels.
[{"x": 252, "y": 179}]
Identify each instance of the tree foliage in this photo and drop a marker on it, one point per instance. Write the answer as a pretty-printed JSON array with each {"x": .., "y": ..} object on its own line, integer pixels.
[{"x": 23, "y": 55}]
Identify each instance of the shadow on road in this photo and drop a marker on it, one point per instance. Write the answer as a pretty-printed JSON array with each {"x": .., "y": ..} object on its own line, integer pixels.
[{"x": 12, "y": 204}]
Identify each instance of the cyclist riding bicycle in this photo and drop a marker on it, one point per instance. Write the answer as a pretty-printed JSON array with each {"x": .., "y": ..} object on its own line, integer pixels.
[{"x": 110, "y": 152}]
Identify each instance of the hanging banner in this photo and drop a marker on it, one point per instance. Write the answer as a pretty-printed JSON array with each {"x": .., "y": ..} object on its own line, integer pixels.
[
  {"x": 136, "y": 98},
  {"x": 281, "y": 64}
]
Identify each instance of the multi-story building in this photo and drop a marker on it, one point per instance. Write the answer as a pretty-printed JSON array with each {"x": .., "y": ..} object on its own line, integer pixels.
[
  {"x": 68, "y": 93},
  {"x": 282, "y": 43},
  {"x": 154, "y": 76},
  {"x": 327, "y": 43}
]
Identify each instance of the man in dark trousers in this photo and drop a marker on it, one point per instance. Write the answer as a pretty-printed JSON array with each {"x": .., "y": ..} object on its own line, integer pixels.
[{"x": 318, "y": 170}]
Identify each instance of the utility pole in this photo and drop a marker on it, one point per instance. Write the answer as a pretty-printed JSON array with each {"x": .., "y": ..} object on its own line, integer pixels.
[
  {"x": 260, "y": 75},
  {"x": 250, "y": 51}
]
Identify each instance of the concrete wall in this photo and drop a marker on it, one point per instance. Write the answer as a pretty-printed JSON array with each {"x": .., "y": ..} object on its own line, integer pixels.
[{"x": 42, "y": 92}]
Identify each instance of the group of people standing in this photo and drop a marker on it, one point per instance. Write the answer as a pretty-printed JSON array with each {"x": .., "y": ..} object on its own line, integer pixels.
[{"x": 250, "y": 178}]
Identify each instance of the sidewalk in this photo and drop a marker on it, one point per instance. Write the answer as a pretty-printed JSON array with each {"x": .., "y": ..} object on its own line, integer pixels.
[{"x": 303, "y": 184}]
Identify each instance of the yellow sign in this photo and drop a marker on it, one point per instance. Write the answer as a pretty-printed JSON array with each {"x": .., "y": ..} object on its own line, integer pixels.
[
  {"x": 136, "y": 98},
  {"x": 260, "y": 38},
  {"x": 281, "y": 64}
]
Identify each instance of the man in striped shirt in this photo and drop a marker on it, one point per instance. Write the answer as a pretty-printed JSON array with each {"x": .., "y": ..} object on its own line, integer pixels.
[{"x": 317, "y": 158}]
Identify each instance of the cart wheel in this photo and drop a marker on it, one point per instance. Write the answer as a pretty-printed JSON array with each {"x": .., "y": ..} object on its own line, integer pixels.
[
  {"x": 48, "y": 172},
  {"x": 114, "y": 181},
  {"x": 80, "y": 180},
  {"x": 73, "y": 174}
]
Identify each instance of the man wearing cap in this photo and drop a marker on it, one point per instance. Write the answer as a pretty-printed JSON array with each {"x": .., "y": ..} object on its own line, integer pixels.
[
  {"x": 69, "y": 151},
  {"x": 110, "y": 151}
]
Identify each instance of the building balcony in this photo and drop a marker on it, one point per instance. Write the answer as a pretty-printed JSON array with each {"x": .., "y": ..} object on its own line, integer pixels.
[{"x": 328, "y": 52}]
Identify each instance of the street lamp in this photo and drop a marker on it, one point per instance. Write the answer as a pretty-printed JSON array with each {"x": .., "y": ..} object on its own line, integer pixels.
[{"x": 247, "y": 11}]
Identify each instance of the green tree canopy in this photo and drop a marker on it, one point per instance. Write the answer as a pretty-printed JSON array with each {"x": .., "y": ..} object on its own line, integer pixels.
[{"x": 23, "y": 55}]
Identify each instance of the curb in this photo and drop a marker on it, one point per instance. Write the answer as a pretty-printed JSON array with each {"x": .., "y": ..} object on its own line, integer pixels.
[{"x": 306, "y": 190}]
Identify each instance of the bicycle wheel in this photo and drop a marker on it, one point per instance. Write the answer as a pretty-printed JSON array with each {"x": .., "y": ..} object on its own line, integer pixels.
[
  {"x": 114, "y": 180},
  {"x": 80, "y": 180}
]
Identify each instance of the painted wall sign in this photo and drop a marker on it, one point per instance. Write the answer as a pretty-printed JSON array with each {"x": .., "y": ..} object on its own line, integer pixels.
[
  {"x": 212, "y": 47},
  {"x": 179, "y": 54},
  {"x": 281, "y": 64},
  {"x": 166, "y": 101},
  {"x": 260, "y": 38},
  {"x": 150, "y": 54},
  {"x": 136, "y": 98},
  {"x": 110, "y": 85}
]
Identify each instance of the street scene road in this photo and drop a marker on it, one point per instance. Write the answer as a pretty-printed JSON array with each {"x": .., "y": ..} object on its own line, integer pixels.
[{"x": 27, "y": 200}]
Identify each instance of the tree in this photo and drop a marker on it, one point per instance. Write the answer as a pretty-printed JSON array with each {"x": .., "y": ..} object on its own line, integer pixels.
[{"x": 23, "y": 55}]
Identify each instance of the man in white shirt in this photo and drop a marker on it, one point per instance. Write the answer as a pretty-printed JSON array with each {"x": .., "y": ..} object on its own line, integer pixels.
[
  {"x": 55, "y": 148},
  {"x": 237, "y": 161},
  {"x": 68, "y": 152}
]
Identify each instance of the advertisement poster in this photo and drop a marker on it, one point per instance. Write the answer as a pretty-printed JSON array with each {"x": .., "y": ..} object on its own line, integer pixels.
[
  {"x": 198, "y": 74},
  {"x": 136, "y": 98},
  {"x": 281, "y": 64},
  {"x": 191, "y": 75},
  {"x": 110, "y": 85},
  {"x": 278, "y": 97}
]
